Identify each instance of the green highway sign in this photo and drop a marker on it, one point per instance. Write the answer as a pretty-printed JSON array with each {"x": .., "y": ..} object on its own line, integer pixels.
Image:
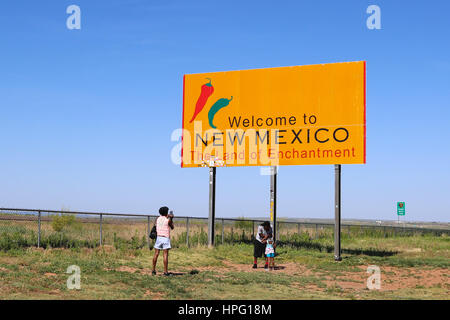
[{"x": 401, "y": 209}]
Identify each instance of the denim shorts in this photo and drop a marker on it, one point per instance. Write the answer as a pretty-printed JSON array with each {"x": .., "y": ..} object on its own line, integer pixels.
[
  {"x": 270, "y": 255},
  {"x": 162, "y": 243}
]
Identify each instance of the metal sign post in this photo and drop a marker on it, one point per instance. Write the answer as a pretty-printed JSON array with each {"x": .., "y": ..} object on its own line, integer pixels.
[
  {"x": 273, "y": 200},
  {"x": 337, "y": 212},
  {"x": 212, "y": 205},
  {"x": 148, "y": 232}
]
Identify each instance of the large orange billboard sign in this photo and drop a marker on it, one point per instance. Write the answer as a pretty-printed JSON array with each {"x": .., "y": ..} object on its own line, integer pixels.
[{"x": 303, "y": 115}]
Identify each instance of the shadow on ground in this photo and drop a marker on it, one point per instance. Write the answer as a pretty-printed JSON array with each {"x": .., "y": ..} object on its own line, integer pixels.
[
  {"x": 326, "y": 248},
  {"x": 330, "y": 249}
]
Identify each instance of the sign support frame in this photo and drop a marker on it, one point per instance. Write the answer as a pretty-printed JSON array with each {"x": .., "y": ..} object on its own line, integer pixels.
[
  {"x": 212, "y": 205},
  {"x": 273, "y": 200},
  {"x": 337, "y": 212},
  {"x": 401, "y": 210}
]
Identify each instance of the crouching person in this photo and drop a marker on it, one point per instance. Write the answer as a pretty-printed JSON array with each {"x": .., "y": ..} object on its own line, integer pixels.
[
  {"x": 164, "y": 224},
  {"x": 264, "y": 232}
]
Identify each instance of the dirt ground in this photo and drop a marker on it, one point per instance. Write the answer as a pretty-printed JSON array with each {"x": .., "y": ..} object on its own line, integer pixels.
[{"x": 392, "y": 278}]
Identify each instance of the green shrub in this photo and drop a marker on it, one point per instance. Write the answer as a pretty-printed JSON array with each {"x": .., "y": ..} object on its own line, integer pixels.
[
  {"x": 243, "y": 224},
  {"x": 136, "y": 242},
  {"x": 16, "y": 240},
  {"x": 60, "y": 222}
]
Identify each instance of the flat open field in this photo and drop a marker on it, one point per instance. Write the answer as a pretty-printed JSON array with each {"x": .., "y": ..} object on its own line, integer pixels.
[{"x": 414, "y": 267}]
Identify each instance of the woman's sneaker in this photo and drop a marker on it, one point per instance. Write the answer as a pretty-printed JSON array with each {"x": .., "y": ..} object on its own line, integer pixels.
[
  {"x": 255, "y": 266},
  {"x": 168, "y": 274},
  {"x": 266, "y": 266}
]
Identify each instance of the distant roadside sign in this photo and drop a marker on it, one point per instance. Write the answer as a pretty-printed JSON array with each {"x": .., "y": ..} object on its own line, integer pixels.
[{"x": 401, "y": 209}]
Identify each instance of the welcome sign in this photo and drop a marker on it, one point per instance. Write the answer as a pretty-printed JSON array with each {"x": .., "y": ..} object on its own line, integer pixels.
[{"x": 303, "y": 115}]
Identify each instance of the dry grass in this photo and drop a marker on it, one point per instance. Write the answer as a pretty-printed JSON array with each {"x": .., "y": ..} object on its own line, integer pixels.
[{"x": 419, "y": 270}]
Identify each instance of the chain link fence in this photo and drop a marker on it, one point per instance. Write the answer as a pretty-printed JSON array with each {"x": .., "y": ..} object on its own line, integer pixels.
[
  {"x": 18, "y": 229},
  {"x": 68, "y": 229}
]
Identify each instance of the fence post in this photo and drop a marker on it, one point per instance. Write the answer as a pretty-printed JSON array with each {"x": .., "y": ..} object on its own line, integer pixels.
[
  {"x": 298, "y": 228},
  {"x": 187, "y": 232},
  {"x": 39, "y": 230},
  {"x": 101, "y": 231},
  {"x": 277, "y": 233},
  {"x": 232, "y": 234},
  {"x": 253, "y": 229},
  {"x": 223, "y": 229}
]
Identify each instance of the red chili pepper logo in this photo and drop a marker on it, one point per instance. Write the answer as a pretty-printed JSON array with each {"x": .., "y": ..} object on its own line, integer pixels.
[{"x": 207, "y": 91}]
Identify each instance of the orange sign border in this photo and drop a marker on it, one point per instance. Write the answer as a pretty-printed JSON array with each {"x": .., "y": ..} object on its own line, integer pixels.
[{"x": 365, "y": 105}]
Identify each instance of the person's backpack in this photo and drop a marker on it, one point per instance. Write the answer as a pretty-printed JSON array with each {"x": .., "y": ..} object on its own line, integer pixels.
[{"x": 153, "y": 233}]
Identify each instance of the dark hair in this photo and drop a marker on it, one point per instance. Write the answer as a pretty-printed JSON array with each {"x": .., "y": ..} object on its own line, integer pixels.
[
  {"x": 163, "y": 211},
  {"x": 266, "y": 224}
]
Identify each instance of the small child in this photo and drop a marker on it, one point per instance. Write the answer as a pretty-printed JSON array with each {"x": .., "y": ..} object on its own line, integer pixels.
[{"x": 270, "y": 253}]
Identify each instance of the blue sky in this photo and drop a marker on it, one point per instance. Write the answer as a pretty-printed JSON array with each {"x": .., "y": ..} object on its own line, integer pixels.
[{"x": 87, "y": 115}]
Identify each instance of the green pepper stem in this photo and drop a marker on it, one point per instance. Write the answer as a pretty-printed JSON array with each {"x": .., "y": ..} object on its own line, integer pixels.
[
  {"x": 231, "y": 98},
  {"x": 209, "y": 80}
]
